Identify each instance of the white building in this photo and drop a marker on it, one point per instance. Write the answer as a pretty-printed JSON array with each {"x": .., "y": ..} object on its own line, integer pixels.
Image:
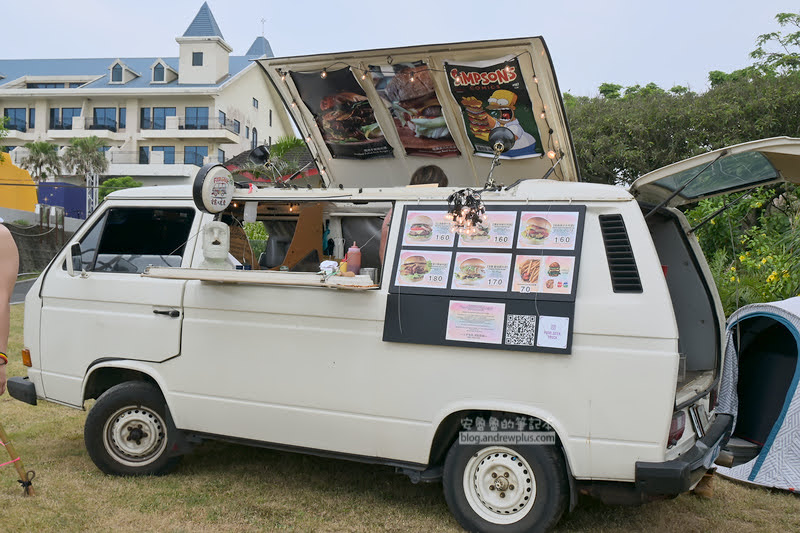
[{"x": 160, "y": 117}]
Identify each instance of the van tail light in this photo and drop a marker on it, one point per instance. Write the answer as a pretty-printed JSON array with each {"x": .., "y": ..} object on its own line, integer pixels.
[
  {"x": 676, "y": 428},
  {"x": 26, "y": 357}
]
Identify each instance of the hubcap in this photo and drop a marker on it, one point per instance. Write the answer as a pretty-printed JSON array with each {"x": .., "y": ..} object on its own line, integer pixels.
[
  {"x": 499, "y": 485},
  {"x": 135, "y": 436}
]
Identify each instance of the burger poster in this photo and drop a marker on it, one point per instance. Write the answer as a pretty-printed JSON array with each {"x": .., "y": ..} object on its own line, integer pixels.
[
  {"x": 548, "y": 230},
  {"x": 423, "y": 269},
  {"x": 493, "y": 94},
  {"x": 427, "y": 228},
  {"x": 557, "y": 274},
  {"x": 408, "y": 91},
  {"x": 342, "y": 113},
  {"x": 497, "y": 231},
  {"x": 481, "y": 272}
]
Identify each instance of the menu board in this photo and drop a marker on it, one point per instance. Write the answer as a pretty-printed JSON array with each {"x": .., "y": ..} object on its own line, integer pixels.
[{"x": 477, "y": 289}]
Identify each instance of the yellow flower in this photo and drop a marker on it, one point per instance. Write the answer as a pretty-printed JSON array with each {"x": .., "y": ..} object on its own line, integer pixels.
[
  {"x": 759, "y": 204},
  {"x": 733, "y": 278},
  {"x": 747, "y": 254},
  {"x": 741, "y": 258},
  {"x": 733, "y": 269},
  {"x": 764, "y": 260},
  {"x": 774, "y": 273},
  {"x": 785, "y": 274},
  {"x": 713, "y": 221}
]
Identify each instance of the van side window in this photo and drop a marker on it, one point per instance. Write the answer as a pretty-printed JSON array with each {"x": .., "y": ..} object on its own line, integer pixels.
[{"x": 134, "y": 238}]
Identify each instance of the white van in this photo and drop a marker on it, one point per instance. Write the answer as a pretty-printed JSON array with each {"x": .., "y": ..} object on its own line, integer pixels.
[{"x": 573, "y": 345}]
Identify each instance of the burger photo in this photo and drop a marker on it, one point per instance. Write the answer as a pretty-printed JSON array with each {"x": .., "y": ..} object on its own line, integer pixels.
[
  {"x": 480, "y": 233},
  {"x": 554, "y": 270},
  {"x": 529, "y": 270},
  {"x": 421, "y": 228},
  {"x": 348, "y": 117},
  {"x": 413, "y": 99},
  {"x": 471, "y": 271},
  {"x": 537, "y": 230},
  {"x": 414, "y": 268}
]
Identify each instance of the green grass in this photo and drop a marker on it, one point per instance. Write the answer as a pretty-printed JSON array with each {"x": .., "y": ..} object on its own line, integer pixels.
[{"x": 226, "y": 487}]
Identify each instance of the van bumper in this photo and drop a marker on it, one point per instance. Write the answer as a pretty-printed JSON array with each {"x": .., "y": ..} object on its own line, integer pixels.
[
  {"x": 22, "y": 389},
  {"x": 682, "y": 473}
]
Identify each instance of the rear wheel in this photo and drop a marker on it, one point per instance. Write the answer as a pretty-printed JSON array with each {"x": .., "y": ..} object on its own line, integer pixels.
[
  {"x": 128, "y": 432},
  {"x": 505, "y": 488}
]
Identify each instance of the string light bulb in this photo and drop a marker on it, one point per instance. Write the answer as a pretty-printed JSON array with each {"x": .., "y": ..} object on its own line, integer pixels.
[
  {"x": 283, "y": 75},
  {"x": 508, "y": 67},
  {"x": 324, "y": 73},
  {"x": 551, "y": 154},
  {"x": 294, "y": 104},
  {"x": 535, "y": 79},
  {"x": 542, "y": 114}
]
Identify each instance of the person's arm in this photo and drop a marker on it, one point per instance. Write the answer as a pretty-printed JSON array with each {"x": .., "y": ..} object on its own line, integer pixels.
[{"x": 9, "y": 265}]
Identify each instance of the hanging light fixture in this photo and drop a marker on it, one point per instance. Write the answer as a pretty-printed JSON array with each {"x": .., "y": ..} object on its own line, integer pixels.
[{"x": 466, "y": 211}]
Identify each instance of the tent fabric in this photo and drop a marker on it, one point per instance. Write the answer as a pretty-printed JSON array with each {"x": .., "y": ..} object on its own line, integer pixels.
[{"x": 778, "y": 463}]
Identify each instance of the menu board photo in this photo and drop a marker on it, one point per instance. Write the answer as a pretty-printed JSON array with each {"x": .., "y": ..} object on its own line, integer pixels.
[
  {"x": 427, "y": 228},
  {"x": 497, "y": 231},
  {"x": 543, "y": 274},
  {"x": 423, "y": 268},
  {"x": 551, "y": 230},
  {"x": 481, "y": 272},
  {"x": 475, "y": 322}
]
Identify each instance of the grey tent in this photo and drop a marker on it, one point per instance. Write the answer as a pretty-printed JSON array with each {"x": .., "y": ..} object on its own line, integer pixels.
[{"x": 760, "y": 389}]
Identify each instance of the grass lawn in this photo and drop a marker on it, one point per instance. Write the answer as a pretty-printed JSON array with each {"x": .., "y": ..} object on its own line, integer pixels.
[{"x": 226, "y": 487}]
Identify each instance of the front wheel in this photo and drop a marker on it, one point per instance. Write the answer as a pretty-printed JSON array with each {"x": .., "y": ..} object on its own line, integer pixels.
[
  {"x": 505, "y": 488},
  {"x": 128, "y": 431}
]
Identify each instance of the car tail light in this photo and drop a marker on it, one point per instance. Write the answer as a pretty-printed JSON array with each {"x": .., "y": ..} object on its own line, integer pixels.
[
  {"x": 676, "y": 428},
  {"x": 26, "y": 357}
]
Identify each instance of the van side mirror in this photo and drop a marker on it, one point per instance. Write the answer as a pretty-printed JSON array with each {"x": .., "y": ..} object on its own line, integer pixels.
[
  {"x": 74, "y": 259},
  {"x": 259, "y": 155}
]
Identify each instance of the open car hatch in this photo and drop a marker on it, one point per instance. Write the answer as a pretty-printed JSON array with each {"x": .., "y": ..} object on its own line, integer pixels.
[
  {"x": 372, "y": 117},
  {"x": 735, "y": 168}
]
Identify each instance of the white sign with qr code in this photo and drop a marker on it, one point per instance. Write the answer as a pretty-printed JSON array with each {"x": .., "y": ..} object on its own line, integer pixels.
[{"x": 520, "y": 330}]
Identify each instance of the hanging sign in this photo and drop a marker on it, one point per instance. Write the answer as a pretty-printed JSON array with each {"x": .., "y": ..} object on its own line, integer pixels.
[
  {"x": 407, "y": 90},
  {"x": 493, "y": 94},
  {"x": 343, "y": 114}
]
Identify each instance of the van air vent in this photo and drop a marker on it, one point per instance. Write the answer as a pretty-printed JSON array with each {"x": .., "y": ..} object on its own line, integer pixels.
[{"x": 621, "y": 263}]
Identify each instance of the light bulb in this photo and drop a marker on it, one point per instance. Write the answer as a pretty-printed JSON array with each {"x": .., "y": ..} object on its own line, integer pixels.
[
  {"x": 508, "y": 67},
  {"x": 324, "y": 74},
  {"x": 542, "y": 114},
  {"x": 364, "y": 75},
  {"x": 535, "y": 79},
  {"x": 412, "y": 78},
  {"x": 308, "y": 138},
  {"x": 294, "y": 104},
  {"x": 452, "y": 229},
  {"x": 551, "y": 154}
]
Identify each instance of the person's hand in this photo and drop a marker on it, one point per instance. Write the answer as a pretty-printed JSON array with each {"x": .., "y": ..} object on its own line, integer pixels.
[{"x": 2, "y": 379}]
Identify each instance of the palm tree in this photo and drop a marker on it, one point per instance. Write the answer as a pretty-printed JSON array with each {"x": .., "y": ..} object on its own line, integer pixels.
[
  {"x": 84, "y": 156},
  {"x": 42, "y": 160}
]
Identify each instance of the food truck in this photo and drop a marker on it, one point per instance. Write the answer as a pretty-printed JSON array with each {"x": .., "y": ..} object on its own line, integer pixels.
[{"x": 521, "y": 336}]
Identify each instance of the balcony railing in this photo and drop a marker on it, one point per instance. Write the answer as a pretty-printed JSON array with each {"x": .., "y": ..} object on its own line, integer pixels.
[
  {"x": 154, "y": 157},
  {"x": 153, "y": 123},
  {"x": 193, "y": 124},
  {"x": 60, "y": 125},
  {"x": 101, "y": 124}
]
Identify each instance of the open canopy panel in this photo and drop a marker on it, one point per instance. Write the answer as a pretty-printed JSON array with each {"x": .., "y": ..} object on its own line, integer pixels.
[
  {"x": 735, "y": 168},
  {"x": 371, "y": 118}
]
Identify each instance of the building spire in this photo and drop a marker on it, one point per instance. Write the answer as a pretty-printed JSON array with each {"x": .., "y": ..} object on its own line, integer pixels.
[{"x": 203, "y": 24}]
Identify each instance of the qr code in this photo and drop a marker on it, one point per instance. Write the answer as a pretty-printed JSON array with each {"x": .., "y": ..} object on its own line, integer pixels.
[{"x": 521, "y": 330}]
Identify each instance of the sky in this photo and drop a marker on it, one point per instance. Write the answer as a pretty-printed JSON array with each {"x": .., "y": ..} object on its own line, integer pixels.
[{"x": 670, "y": 43}]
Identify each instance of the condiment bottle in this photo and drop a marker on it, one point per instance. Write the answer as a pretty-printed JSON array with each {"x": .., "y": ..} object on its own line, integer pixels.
[{"x": 354, "y": 259}]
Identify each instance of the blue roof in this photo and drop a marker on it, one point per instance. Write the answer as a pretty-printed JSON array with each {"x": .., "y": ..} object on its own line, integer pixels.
[
  {"x": 203, "y": 24},
  {"x": 16, "y": 68},
  {"x": 260, "y": 48}
]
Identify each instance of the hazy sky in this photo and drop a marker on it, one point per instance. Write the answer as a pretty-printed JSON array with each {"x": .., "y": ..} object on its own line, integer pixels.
[{"x": 674, "y": 42}]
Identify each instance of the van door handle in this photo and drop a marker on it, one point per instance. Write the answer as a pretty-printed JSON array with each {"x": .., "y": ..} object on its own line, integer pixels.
[{"x": 172, "y": 313}]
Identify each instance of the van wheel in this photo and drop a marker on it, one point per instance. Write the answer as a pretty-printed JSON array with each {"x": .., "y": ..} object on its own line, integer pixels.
[
  {"x": 505, "y": 489},
  {"x": 129, "y": 432}
]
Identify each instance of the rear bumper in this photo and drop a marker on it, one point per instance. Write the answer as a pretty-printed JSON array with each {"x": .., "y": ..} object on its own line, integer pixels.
[
  {"x": 682, "y": 473},
  {"x": 22, "y": 389}
]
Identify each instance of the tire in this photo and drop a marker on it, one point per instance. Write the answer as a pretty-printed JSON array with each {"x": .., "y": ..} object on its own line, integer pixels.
[
  {"x": 531, "y": 479},
  {"x": 129, "y": 431}
]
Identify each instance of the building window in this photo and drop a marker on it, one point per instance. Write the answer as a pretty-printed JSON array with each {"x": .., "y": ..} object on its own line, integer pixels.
[
  {"x": 31, "y": 118},
  {"x": 222, "y": 118},
  {"x": 220, "y": 155},
  {"x": 75, "y": 84},
  {"x": 197, "y": 59},
  {"x": 116, "y": 73},
  {"x": 144, "y": 155},
  {"x": 237, "y": 127},
  {"x": 196, "y": 118},
  {"x": 158, "y": 72},
  {"x": 105, "y": 118},
  {"x": 67, "y": 113},
  {"x": 54, "y": 120},
  {"x": 104, "y": 149},
  {"x": 43, "y": 85},
  {"x": 270, "y": 118},
  {"x": 255, "y": 103},
  {"x": 144, "y": 119},
  {"x": 15, "y": 118},
  {"x": 123, "y": 118},
  {"x": 169, "y": 153},
  {"x": 160, "y": 115},
  {"x": 247, "y": 132},
  {"x": 193, "y": 155},
  {"x": 254, "y": 140}
]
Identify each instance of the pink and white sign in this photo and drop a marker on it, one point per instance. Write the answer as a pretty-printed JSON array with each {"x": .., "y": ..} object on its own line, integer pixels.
[
  {"x": 481, "y": 272},
  {"x": 427, "y": 228},
  {"x": 552, "y": 332},
  {"x": 548, "y": 230},
  {"x": 496, "y": 232},
  {"x": 475, "y": 322},
  {"x": 423, "y": 268}
]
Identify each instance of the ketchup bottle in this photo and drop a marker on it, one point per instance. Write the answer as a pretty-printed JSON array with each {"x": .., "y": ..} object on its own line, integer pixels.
[{"x": 354, "y": 259}]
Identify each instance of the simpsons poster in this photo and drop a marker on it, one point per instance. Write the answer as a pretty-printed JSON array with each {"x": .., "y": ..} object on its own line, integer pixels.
[{"x": 493, "y": 94}]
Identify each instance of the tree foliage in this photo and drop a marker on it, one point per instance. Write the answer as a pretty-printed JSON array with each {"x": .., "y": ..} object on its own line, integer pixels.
[
  {"x": 84, "y": 156},
  {"x": 778, "y": 52},
  {"x": 116, "y": 184},
  {"x": 42, "y": 160}
]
